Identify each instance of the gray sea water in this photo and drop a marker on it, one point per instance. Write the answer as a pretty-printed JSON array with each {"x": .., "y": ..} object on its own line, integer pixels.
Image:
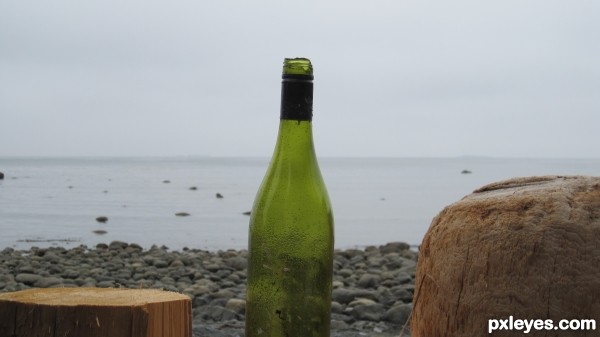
[{"x": 55, "y": 201}]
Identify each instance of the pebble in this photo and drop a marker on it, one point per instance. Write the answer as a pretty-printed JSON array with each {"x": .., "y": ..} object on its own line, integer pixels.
[
  {"x": 370, "y": 311},
  {"x": 28, "y": 279},
  {"x": 47, "y": 282},
  {"x": 369, "y": 281},
  {"x": 398, "y": 314},
  {"x": 372, "y": 287},
  {"x": 236, "y": 305}
]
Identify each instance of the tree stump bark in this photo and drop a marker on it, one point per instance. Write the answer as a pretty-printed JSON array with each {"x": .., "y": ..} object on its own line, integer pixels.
[
  {"x": 525, "y": 247},
  {"x": 95, "y": 312}
]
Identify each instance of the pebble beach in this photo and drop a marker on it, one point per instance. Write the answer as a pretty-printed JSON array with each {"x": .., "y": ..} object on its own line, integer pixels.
[{"x": 372, "y": 287}]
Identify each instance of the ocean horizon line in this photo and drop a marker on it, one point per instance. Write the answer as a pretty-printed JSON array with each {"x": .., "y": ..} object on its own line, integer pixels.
[{"x": 105, "y": 157}]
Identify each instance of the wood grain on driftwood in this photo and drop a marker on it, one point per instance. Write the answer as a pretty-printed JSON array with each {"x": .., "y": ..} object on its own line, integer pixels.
[
  {"x": 525, "y": 247},
  {"x": 95, "y": 312}
]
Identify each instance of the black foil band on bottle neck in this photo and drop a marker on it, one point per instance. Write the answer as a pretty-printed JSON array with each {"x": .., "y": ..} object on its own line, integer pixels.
[{"x": 296, "y": 97}]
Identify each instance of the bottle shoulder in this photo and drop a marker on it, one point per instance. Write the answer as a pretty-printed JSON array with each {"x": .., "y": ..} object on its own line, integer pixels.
[
  {"x": 284, "y": 188},
  {"x": 284, "y": 175}
]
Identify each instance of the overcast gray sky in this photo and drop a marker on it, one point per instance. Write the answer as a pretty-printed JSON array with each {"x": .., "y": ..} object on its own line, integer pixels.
[{"x": 507, "y": 78}]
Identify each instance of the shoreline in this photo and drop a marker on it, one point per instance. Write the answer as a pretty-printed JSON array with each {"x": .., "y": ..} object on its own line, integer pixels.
[
  {"x": 78, "y": 241},
  {"x": 372, "y": 287},
  {"x": 71, "y": 243}
]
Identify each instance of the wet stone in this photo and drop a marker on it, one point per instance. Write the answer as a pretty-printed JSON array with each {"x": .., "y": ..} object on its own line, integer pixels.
[
  {"x": 369, "y": 311},
  {"x": 47, "y": 282},
  {"x": 28, "y": 279},
  {"x": 398, "y": 314},
  {"x": 345, "y": 295},
  {"x": 236, "y": 305},
  {"x": 369, "y": 281}
]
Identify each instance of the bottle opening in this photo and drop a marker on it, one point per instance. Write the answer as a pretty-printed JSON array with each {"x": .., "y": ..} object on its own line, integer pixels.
[{"x": 297, "y": 66}]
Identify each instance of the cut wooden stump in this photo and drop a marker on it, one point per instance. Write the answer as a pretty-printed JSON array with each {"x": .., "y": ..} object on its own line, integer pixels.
[
  {"x": 525, "y": 247},
  {"x": 95, "y": 312}
]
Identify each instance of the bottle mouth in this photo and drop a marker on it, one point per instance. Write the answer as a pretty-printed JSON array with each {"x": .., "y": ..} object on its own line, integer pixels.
[{"x": 297, "y": 67}]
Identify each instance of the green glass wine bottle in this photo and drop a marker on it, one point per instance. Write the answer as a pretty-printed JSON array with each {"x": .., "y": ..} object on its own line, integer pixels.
[{"x": 290, "y": 244}]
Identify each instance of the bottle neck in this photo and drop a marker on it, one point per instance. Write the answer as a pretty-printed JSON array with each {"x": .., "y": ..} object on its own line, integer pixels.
[
  {"x": 296, "y": 97},
  {"x": 295, "y": 140}
]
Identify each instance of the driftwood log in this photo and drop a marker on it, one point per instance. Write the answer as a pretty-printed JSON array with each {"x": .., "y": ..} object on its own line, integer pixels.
[
  {"x": 95, "y": 312},
  {"x": 525, "y": 247}
]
